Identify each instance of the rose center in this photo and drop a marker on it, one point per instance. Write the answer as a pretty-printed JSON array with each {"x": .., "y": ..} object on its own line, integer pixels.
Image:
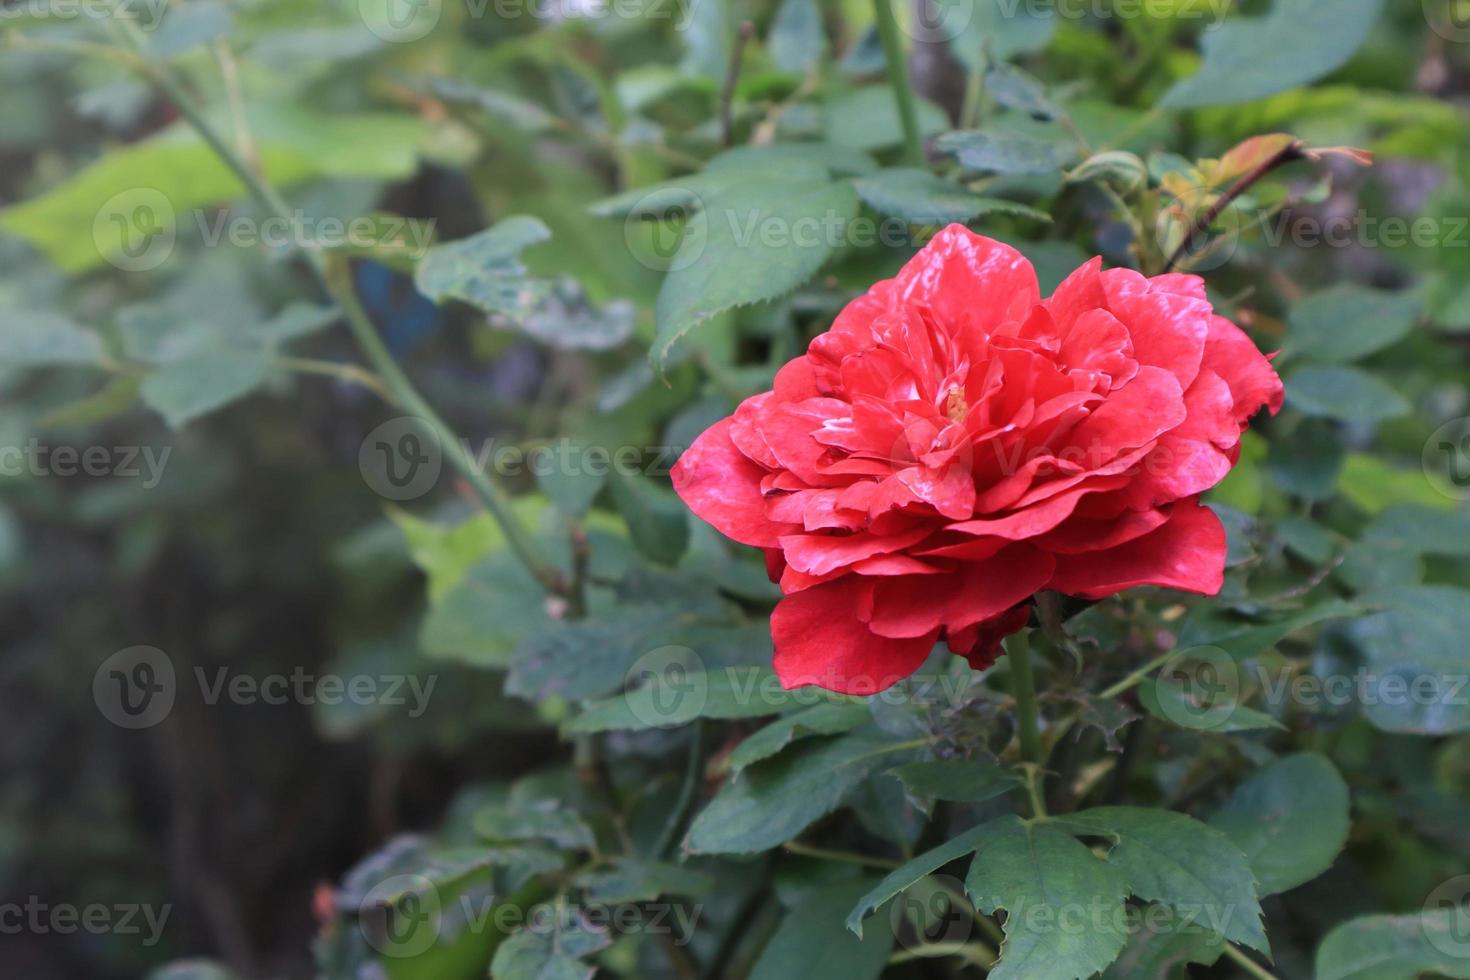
[{"x": 955, "y": 406}]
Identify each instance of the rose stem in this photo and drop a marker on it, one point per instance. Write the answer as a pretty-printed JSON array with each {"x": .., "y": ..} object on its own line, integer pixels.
[
  {"x": 898, "y": 77},
  {"x": 335, "y": 277},
  {"x": 1018, "y": 646}
]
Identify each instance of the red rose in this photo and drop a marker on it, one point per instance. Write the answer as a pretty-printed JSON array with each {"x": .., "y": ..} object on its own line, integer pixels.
[{"x": 954, "y": 444}]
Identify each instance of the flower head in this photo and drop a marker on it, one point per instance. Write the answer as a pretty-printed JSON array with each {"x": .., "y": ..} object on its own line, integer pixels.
[{"x": 955, "y": 444}]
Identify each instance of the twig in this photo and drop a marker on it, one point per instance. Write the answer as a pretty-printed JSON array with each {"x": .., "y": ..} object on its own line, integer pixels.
[
  {"x": 849, "y": 857},
  {"x": 732, "y": 75},
  {"x": 1247, "y": 964},
  {"x": 350, "y": 373},
  {"x": 1292, "y": 151}
]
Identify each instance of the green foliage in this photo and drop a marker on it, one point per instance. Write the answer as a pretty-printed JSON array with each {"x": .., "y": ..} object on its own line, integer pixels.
[{"x": 626, "y": 222}]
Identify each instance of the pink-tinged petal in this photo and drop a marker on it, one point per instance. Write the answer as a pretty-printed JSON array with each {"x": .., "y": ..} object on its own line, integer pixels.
[
  {"x": 745, "y": 432},
  {"x": 1187, "y": 553},
  {"x": 950, "y": 491},
  {"x": 796, "y": 381},
  {"x": 1080, "y": 534},
  {"x": 1194, "y": 457},
  {"x": 1032, "y": 521},
  {"x": 1168, "y": 329},
  {"x": 1234, "y": 356},
  {"x": 913, "y": 605},
  {"x": 1182, "y": 283},
  {"x": 960, "y": 275},
  {"x": 787, "y": 427},
  {"x": 1078, "y": 293},
  {"x": 896, "y": 565},
  {"x": 1100, "y": 344},
  {"x": 1133, "y": 416},
  {"x": 820, "y": 640},
  {"x": 980, "y": 644},
  {"x": 818, "y": 554},
  {"x": 723, "y": 487}
]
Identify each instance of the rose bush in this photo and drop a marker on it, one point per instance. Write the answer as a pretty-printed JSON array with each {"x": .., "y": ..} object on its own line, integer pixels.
[{"x": 955, "y": 444}]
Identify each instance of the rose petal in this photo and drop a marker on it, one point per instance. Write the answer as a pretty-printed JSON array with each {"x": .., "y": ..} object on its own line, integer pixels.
[
  {"x": 820, "y": 640},
  {"x": 723, "y": 487},
  {"x": 1187, "y": 552}
]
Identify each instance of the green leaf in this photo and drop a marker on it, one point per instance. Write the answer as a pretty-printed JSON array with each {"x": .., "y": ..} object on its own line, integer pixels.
[
  {"x": 482, "y": 617},
  {"x": 446, "y": 552},
  {"x": 522, "y": 819},
  {"x": 753, "y": 241},
  {"x": 129, "y": 202},
  {"x": 588, "y": 657},
  {"x": 551, "y": 954},
  {"x": 797, "y": 40},
  {"x": 1298, "y": 42},
  {"x": 792, "y": 159},
  {"x": 1004, "y": 153},
  {"x": 194, "y": 386},
  {"x": 960, "y": 780},
  {"x": 999, "y": 29},
  {"x": 1161, "y": 949},
  {"x": 1018, "y": 90},
  {"x": 1177, "y": 861},
  {"x": 1214, "y": 626},
  {"x": 1290, "y": 818},
  {"x": 1343, "y": 393},
  {"x": 485, "y": 270},
  {"x": 819, "y": 719},
  {"x": 658, "y": 522},
  {"x": 1422, "y": 530},
  {"x": 812, "y": 944},
  {"x": 1348, "y": 322},
  {"x": 187, "y": 26},
  {"x": 37, "y": 339},
  {"x": 916, "y": 868},
  {"x": 919, "y": 197},
  {"x": 867, "y": 119},
  {"x": 671, "y": 698},
  {"x": 770, "y": 803},
  {"x": 573, "y": 487},
  {"x": 1374, "y": 484},
  {"x": 632, "y": 879},
  {"x": 1415, "y": 652},
  {"x": 1067, "y": 918},
  {"x": 1402, "y": 947}
]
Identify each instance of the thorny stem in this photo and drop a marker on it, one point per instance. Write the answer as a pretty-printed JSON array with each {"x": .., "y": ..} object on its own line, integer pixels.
[
  {"x": 1018, "y": 645},
  {"x": 1288, "y": 153},
  {"x": 335, "y": 276}
]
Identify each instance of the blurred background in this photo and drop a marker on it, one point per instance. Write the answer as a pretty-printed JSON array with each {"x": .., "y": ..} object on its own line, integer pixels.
[{"x": 196, "y": 529}]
